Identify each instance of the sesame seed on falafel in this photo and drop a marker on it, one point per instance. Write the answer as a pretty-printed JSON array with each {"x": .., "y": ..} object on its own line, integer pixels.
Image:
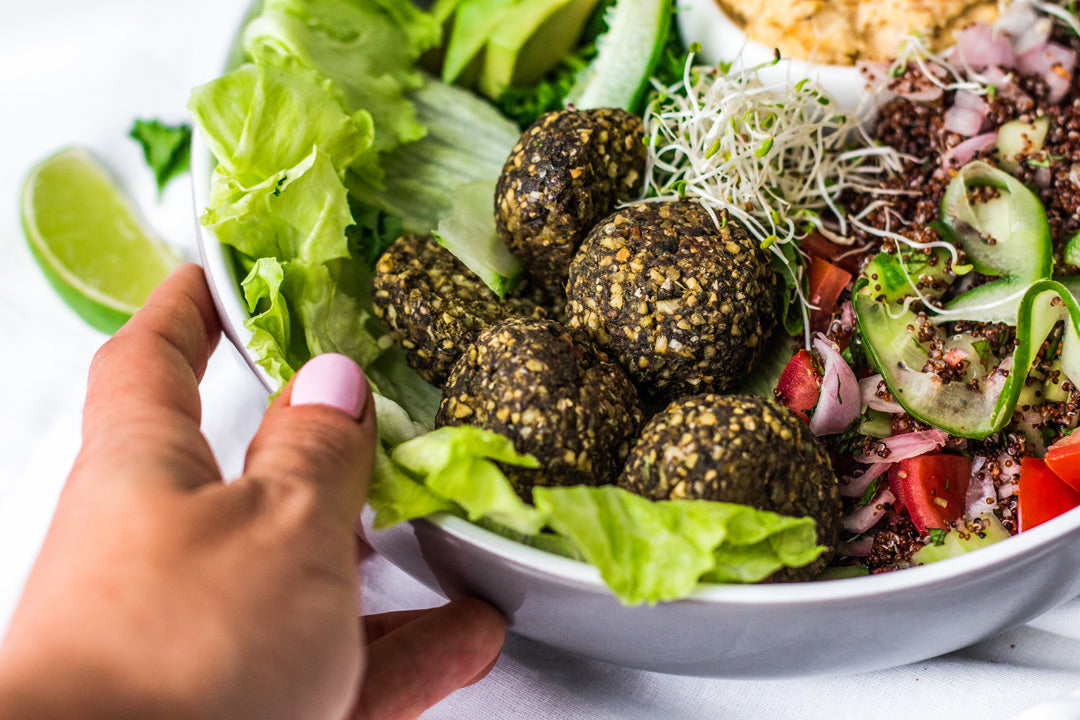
[
  {"x": 434, "y": 306},
  {"x": 569, "y": 169},
  {"x": 742, "y": 449},
  {"x": 683, "y": 305},
  {"x": 553, "y": 394}
]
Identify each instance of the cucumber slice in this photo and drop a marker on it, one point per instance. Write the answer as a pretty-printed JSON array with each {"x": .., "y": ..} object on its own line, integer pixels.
[
  {"x": 1072, "y": 250},
  {"x": 959, "y": 407},
  {"x": 1006, "y": 236},
  {"x": 963, "y": 540},
  {"x": 627, "y": 54},
  {"x": 1017, "y": 140},
  {"x": 891, "y": 280}
]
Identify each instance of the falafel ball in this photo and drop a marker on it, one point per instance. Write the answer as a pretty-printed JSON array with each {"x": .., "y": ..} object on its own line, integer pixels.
[
  {"x": 553, "y": 394},
  {"x": 434, "y": 306},
  {"x": 683, "y": 305},
  {"x": 569, "y": 169},
  {"x": 741, "y": 449}
]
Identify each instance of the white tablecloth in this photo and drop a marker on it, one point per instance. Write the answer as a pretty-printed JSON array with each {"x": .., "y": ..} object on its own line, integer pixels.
[{"x": 80, "y": 72}]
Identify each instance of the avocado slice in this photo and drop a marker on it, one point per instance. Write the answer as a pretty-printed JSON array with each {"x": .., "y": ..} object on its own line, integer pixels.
[
  {"x": 474, "y": 22},
  {"x": 530, "y": 39}
]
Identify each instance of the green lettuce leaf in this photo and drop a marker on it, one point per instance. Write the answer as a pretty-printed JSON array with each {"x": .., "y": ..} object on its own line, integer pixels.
[
  {"x": 396, "y": 497},
  {"x": 367, "y": 51},
  {"x": 650, "y": 551},
  {"x": 299, "y": 213},
  {"x": 646, "y": 551},
  {"x": 468, "y": 140},
  {"x": 459, "y": 463},
  {"x": 260, "y": 120},
  {"x": 270, "y": 323}
]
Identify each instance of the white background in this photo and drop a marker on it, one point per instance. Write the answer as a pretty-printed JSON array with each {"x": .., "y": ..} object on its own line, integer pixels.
[{"x": 77, "y": 72}]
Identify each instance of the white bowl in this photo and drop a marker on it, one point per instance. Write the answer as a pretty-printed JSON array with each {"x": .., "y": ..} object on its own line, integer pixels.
[
  {"x": 758, "y": 631},
  {"x": 762, "y": 631},
  {"x": 703, "y": 21}
]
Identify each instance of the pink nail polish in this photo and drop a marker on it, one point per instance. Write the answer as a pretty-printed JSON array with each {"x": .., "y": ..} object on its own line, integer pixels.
[{"x": 333, "y": 380}]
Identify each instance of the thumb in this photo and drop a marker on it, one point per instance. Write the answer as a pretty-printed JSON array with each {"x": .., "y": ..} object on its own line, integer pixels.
[{"x": 319, "y": 437}]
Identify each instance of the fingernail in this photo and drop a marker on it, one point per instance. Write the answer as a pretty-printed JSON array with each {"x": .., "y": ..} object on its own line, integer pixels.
[{"x": 333, "y": 380}]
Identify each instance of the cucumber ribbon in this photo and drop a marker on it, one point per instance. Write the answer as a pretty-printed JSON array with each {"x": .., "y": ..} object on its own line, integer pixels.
[{"x": 1019, "y": 252}]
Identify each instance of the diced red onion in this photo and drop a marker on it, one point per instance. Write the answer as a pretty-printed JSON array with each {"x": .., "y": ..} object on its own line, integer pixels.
[
  {"x": 963, "y": 121},
  {"x": 876, "y": 72},
  {"x": 980, "y": 46},
  {"x": 847, "y": 310},
  {"x": 1033, "y": 35},
  {"x": 863, "y": 518},
  {"x": 922, "y": 93},
  {"x": 839, "y": 401},
  {"x": 859, "y": 548},
  {"x": 955, "y": 356},
  {"x": 971, "y": 101},
  {"x": 1002, "y": 82},
  {"x": 868, "y": 391},
  {"x": 981, "y": 495},
  {"x": 1009, "y": 479},
  {"x": 961, "y": 154},
  {"x": 855, "y": 485},
  {"x": 908, "y": 445},
  {"x": 1018, "y": 17},
  {"x": 1054, "y": 64}
]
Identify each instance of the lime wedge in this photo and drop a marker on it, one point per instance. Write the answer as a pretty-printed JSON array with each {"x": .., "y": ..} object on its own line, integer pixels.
[{"x": 89, "y": 241}]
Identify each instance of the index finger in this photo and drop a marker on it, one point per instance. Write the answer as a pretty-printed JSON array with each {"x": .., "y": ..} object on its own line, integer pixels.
[{"x": 143, "y": 409}]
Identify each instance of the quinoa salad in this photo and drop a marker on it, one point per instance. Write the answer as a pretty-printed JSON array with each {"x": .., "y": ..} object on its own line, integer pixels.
[{"x": 661, "y": 317}]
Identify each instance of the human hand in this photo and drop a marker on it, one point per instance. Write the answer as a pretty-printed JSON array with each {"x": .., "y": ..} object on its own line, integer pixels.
[{"x": 162, "y": 592}]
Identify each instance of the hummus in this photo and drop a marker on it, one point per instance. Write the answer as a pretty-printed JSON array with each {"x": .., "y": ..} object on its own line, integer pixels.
[{"x": 839, "y": 32}]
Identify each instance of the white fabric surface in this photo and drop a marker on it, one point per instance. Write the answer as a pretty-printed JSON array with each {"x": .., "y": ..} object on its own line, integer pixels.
[{"x": 80, "y": 72}]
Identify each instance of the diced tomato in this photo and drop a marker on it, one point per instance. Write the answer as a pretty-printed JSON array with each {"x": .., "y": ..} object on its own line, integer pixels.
[
  {"x": 933, "y": 488},
  {"x": 1063, "y": 457},
  {"x": 825, "y": 282},
  {"x": 800, "y": 384},
  {"x": 816, "y": 245},
  {"x": 1042, "y": 495}
]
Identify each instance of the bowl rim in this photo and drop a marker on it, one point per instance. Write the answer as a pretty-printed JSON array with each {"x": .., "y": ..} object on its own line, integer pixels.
[{"x": 221, "y": 279}]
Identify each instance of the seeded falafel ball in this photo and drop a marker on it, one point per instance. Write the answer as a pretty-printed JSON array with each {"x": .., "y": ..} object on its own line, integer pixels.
[
  {"x": 435, "y": 307},
  {"x": 553, "y": 394},
  {"x": 741, "y": 449},
  {"x": 569, "y": 169},
  {"x": 684, "y": 306}
]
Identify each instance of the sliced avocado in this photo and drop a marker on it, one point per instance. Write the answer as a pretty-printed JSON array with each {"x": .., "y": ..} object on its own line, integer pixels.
[
  {"x": 531, "y": 38},
  {"x": 474, "y": 22},
  {"x": 963, "y": 540}
]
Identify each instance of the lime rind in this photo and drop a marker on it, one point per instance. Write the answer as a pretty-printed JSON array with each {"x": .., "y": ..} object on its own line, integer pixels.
[{"x": 126, "y": 270}]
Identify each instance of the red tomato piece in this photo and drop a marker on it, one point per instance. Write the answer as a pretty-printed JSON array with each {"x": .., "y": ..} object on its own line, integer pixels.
[
  {"x": 799, "y": 384},
  {"x": 816, "y": 245},
  {"x": 933, "y": 488},
  {"x": 825, "y": 281},
  {"x": 1063, "y": 458},
  {"x": 1042, "y": 494}
]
